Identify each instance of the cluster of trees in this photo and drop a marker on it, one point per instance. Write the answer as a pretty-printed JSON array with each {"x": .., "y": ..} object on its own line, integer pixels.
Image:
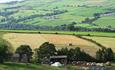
[
  {"x": 56, "y": 12},
  {"x": 104, "y": 55},
  {"x": 7, "y": 13},
  {"x": 69, "y": 27},
  {"x": 48, "y": 49},
  {"x": 75, "y": 54},
  {"x": 24, "y": 50},
  {"x": 14, "y": 20},
  {"x": 72, "y": 27},
  {"x": 23, "y": 27},
  {"x": 90, "y": 20},
  {"x": 4, "y": 52},
  {"x": 14, "y": 23}
]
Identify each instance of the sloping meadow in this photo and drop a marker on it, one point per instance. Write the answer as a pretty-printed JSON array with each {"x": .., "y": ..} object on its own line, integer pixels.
[{"x": 60, "y": 41}]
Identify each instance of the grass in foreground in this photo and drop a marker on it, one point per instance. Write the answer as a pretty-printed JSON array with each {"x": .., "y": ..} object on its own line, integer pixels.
[
  {"x": 20, "y": 66},
  {"x": 17, "y": 66}
]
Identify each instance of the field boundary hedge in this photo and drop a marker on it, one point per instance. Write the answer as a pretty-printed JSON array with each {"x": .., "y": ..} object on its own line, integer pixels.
[{"x": 90, "y": 40}]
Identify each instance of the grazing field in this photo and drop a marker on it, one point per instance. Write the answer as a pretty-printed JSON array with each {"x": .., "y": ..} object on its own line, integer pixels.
[
  {"x": 56, "y": 13},
  {"x": 106, "y": 21},
  {"x": 106, "y": 34},
  {"x": 105, "y": 41},
  {"x": 35, "y": 40},
  {"x": 20, "y": 66}
]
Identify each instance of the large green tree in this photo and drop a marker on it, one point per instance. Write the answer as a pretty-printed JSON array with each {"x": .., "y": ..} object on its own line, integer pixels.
[
  {"x": 45, "y": 51},
  {"x": 104, "y": 55},
  {"x": 109, "y": 54},
  {"x": 71, "y": 27},
  {"x": 63, "y": 51},
  {"x": 24, "y": 50}
]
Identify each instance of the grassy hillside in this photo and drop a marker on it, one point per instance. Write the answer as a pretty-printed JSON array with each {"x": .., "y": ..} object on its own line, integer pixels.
[{"x": 58, "y": 12}]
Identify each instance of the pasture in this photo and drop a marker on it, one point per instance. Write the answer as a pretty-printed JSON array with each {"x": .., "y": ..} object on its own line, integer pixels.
[
  {"x": 52, "y": 13},
  {"x": 21, "y": 66},
  {"x": 102, "y": 34}
]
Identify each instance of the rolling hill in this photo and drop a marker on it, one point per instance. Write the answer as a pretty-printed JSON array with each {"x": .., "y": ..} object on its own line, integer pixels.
[
  {"x": 46, "y": 14},
  {"x": 60, "y": 41}
]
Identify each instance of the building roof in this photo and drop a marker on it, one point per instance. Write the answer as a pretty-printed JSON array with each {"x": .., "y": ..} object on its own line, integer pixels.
[{"x": 63, "y": 56}]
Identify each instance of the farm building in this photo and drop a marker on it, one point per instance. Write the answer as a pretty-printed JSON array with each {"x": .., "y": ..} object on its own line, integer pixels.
[{"x": 62, "y": 59}]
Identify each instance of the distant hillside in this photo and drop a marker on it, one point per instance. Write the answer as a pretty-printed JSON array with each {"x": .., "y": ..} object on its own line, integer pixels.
[{"x": 90, "y": 15}]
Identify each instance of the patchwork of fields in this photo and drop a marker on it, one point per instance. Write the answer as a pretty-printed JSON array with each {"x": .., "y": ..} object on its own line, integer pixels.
[
  {"x": 57, "y": 12},
  {"x": 88, "y": 24}
]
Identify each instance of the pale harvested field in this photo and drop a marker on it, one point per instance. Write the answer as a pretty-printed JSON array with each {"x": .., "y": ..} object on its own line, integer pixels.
[
  {"x": 96, "y": 2},
  {"x": 35, "y": 40},
  {"x": 107, "y": 42}
]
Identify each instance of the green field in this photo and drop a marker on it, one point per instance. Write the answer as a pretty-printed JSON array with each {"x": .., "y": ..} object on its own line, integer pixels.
[
  {"x": 105, "y": 21},
  {"x": 21, "y": 66},
  {"x": 52, "y": 12},
  {"x": 106, "y": 34},
  {"x": 17, "y": 66}
]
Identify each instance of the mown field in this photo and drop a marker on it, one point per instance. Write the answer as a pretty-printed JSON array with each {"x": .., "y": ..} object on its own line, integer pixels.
[
  {"x": 61, "y": 39},
  {"x": 105, "y": 41}
]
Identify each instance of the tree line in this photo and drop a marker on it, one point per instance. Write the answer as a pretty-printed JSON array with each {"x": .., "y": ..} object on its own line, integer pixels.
[{"x": 48, "y": 49}]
